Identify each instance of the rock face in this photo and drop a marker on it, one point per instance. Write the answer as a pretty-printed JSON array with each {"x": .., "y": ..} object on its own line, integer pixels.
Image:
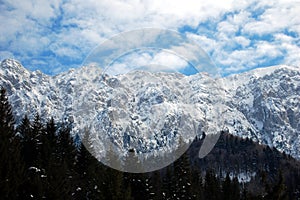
[
  {"x": 271, "y": 103},
  {"x": 147, "y": 111}
]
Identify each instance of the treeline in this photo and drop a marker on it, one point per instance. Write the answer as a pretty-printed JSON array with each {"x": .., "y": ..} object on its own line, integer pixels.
[
  {"x": 42, "y": 161},
  {"x": 243, "y": 156}
]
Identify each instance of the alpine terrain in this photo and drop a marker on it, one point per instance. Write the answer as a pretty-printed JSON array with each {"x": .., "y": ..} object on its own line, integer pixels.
[{"x": 262, "y": 105}]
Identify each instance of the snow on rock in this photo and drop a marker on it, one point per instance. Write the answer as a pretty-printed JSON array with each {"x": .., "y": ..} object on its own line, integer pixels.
[{"x": 263, "y": 104}]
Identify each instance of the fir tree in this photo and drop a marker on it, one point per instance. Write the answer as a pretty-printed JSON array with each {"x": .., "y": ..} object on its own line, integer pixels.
[
  {"x": 36, "y": 177},
  {"x": 226, "y": 188},
  {"x": 197, "y": 184},
  {"x": 113, "y": 178},
  {"x": 156, "y": 186},
  {"x": 62, "y": 176},
  {"x": 167, "y": 187},
  {"x": 182, "y": 175},
  {"x": 137, "y": 183},
  {"x": 90, "y": 176},
  {"x": 211, "y": 186},
  {"x": 278, "y": 191},
  {"x": 48, "y": 139},
  {"x": 182, "y": 178},
  {"x": 235, "y": 189},
  {"x": 29, "y": 142},
  {"x": 230, "y": 188},
  {"x": 42, "y": 148},
  {"x": 11, "y": 167}
]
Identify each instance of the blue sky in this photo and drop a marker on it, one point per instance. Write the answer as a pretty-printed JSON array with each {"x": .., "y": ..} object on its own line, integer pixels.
[{"x": 238, "y": 35}]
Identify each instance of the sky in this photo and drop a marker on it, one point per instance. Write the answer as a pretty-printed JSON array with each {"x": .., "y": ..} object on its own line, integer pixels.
[{"x": 238, "y": 35}]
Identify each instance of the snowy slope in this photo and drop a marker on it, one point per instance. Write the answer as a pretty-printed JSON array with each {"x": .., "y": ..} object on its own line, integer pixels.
[
  {"x": 147, "y": 110},
  {"x": 270, "y": 102}
]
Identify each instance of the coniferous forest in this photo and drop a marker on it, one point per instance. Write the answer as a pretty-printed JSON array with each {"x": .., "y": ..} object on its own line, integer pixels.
[{"x": 42, "y": 161}]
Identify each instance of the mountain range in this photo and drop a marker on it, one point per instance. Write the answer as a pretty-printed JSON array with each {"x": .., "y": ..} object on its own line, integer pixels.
[{"x": 149, "y": 110}]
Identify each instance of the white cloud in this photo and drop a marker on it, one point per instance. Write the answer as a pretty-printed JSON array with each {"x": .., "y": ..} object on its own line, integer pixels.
[
  {"x": 234, "y": 36},
  {"x": 206, "y": 43},
  {"x": 155, "y": 61},
  {"x": 227, "y": 27},
  {"x": 243, "y": 41},
  {"x": 292, "y": 56},
  {"x": 277, "y": 17},
  {"x": 170, "y": 60},
  {"x": 40, "y": 10},
  {"x": 280, "y": 37},
  {"x": 267, "y": 49}
]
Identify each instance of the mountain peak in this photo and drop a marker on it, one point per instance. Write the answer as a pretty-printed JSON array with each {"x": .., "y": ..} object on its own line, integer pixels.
[
  {"x": 13, "y": 66},
  {"x": 262, "y": 104},
  {"x": 260, "y": 72}
]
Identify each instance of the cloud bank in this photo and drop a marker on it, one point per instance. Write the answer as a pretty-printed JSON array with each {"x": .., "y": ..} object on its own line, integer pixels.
[{"x": 238, "y": 35}]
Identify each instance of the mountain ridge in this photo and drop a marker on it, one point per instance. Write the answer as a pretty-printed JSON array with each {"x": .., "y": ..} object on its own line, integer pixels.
[{"x": 262, "y": 104}]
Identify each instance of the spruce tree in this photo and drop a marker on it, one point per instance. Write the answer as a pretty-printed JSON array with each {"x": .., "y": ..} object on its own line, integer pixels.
[
  {"x": 35, "y": 185},
  {"x": 90, "y": 176},
  {"x": 235, "y": 189},
  {"x": 49, "y": 139},
  {"x": 279, "y": 190},
  {"x": 197, "y": 184},
  {"x": 62, "y": 176},
  {"x": 137, "y": 183},
  {"x": 167, "y": 185},
  {"x": 29, "y": 142},
  {"x": 182, "y": 178},
  {"x": 182, "y": 175},
  {"x": 11, "y": 167},
  {"x": 156, "y": 186},
  {"x": 226, "y": 188},
  {"x": 112, "y": 177},
  {"x": 38, "y": 135},
  {"x": 211, "y": 186}
]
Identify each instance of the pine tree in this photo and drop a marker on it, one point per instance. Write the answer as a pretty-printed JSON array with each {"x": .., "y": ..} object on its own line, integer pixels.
[
  {"x": 46, "y": 150},
  {"x": 113, "y": 178},
  {"x": 11, "y": 167},
  {"x": 279, "y": 190},
  {"x": 29, "y": 142},
  {"x": 235, "y": 189},
  {"x": 244, "y": 195},
  {"x": 230, "y": 188},
  {"x": 167, "y": 187},
  {"x": 38, "y": 133},
  {"x": 91, "y": 172},
  {"x": 90, "y": 176},
  {"x": 62, "y": 176},
  {"x": 156, "y": 186},
  {"x": 35, "y": 184},
  {"x": 49, "y": 141},
  {"x": 182, "y": 178},
  {"x": 226, "y": 188},
  {"x": 137, "y": 183},
  {"x": 182, "y": 175},
  {"x": 211, "y": 186},
  {"x": 197, "y": 185},
  {"x": 24, "y": 129}
]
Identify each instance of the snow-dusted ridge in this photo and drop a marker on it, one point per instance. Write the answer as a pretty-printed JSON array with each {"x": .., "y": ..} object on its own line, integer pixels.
[
  {"x": 262, "y": 104},
  {"x": 236, "y": 80}
]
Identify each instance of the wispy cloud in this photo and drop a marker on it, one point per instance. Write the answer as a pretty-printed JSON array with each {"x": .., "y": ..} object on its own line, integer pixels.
[
  {"x": 155, "y": 61},
  {"x": 238, "y": 34}
]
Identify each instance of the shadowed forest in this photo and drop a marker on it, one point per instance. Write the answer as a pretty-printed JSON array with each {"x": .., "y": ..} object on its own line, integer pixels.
[{"x": 42, "y": 161}]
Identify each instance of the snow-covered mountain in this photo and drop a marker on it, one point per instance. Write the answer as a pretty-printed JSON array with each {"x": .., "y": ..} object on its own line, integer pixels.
[{"x": 147, "y": 110}]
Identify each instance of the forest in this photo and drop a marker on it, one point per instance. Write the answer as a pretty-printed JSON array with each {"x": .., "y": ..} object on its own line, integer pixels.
[{"x": 43, "y": 161}]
